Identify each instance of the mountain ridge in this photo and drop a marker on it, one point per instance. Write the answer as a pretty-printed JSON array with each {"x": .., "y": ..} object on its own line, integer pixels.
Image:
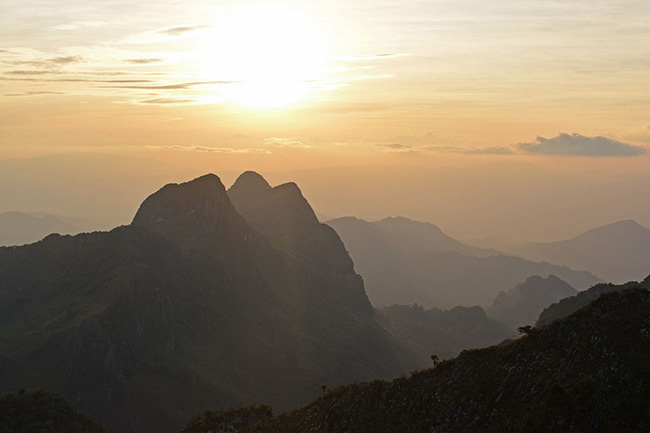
[
  {"x": 617, "y": 252},
  {"x": 188, "y": 306}
]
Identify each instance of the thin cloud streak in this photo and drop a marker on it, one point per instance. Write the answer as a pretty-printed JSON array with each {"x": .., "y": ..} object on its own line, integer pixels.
[
  {"x": 213, "y": 149},
  {"x": 175, "y": 31},
  {"x": 180, "y": 86}
]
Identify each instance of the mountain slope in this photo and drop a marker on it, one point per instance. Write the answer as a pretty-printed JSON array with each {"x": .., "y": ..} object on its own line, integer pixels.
[
  {"x": 428, "y": 238},
  {"x": 444, "y": 333},
  {"x": 394, "y": 273},
  {"x": 571, "y": 304},
  {"x": 588, "y": 372},
  {"x": 617, "y": 252},
  {"x": 186, "y": 307},
  {"x": 522, "y": 304},
  {"x": 42, "y": 411}
]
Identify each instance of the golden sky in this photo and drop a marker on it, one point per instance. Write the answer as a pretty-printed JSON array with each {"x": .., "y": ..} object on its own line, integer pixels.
[{"x": 285, "y": 85}]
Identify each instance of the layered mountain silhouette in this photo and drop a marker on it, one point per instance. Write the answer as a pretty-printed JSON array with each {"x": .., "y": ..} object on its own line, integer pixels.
[
  {"x": 588, "y": 373},
  {"x": 522, "y": 304},
  {"x": 19, "y": 228},
  {"x": 617, "y": 252},
  {"x": 443, "y": 333},
  {"x": 402, "y": 267},
  {"x": 192, "y": 305},
  {"x": 571, "y": 304}
]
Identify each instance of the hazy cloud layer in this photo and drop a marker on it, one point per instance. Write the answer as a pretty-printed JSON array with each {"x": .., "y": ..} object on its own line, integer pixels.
[
  {"x": 576, "y": 144},
  {"x": 179, "y": 86},
  {"x": 167, "y": 101},
  {"x": 286, "y": 142},
  {"x": 144, "y": 61},
  {"x": 216, "y": 149},
  {"x": 394, "y": 145},
  {"x": 33, "y": 93}
]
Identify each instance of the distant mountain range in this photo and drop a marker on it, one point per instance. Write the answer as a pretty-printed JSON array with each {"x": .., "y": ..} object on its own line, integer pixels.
[
  {"x": 192, "y": 305},
  {"x": 588, "y": 373},
  {"x": 522, "y": 304},
  {"x": 617, "y": 252},
  {"x": 405, "y": 262},
  {"x": 19, "y": 228}
]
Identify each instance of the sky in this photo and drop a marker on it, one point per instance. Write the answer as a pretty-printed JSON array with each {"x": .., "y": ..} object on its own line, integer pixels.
[{"x": 283, "y": 86}]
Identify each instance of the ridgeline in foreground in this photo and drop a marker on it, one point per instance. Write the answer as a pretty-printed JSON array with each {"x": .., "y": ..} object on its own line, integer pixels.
[{"x": 585, "y": 373}]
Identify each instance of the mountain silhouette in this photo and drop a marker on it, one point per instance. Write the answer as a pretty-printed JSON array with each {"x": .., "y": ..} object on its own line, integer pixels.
[
  {"x": 399, "y": 270},
  {"x": 586, "y": 373},
  {"x": 444, "y": 333},
  {"x": 189, "y": 306},
  {"x": 617, "y": 252},
  {"x": 522, "y": 304},
  {"x": 570, "y": 304}
]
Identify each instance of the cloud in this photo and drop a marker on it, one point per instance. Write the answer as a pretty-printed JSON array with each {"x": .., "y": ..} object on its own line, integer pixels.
[
  {"x": 431, "y": 143},
  {"x": 470, "y": 150},
  {"x": 377, "y": 56},
  {"x": 144, "y": 61},
  {"x": 394, "y": 145},
  {"x": 27, "y": 72},
  {"x": 215, "y": 149},
  {"x": 493, "y": 150},
  {"x": 161, "y": 35},
  {"x": 167, "y": 101},
  {"x": 576, "y": 144},
  {"x": 175, "y": 31},
  {"x": 48, "y": 63},
  {"x": 416, "y": 140},
  {"x": 64, "y": 60},
  {"x": 33, "y": 93},
  {"x": 286, "y": 142},
  {"x": 179, "y": 86}
]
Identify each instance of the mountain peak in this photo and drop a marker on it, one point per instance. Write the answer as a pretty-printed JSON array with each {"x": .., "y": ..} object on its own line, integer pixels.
[
  {"x": 248, "y": 183},
  {"x": 190, "y": 213}
]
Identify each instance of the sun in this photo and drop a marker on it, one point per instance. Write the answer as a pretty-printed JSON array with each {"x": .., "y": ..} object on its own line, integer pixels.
[{"x": 272, "y": 56}]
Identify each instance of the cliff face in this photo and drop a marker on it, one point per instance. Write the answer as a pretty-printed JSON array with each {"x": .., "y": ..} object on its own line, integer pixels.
[
  {"x": 588, "y": 372},
  {"x": 188, "y": 307}
]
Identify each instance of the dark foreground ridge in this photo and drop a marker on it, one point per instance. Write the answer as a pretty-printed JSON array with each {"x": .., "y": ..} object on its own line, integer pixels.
[
  {"x": 568, "y": 305},
  {"x": 42, "y": 411},
  {"x": 585, "y": 373}
]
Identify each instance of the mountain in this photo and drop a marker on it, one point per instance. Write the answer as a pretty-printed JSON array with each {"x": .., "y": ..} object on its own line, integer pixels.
[
  {"x": 398, "y": 270},
  {"x": 41, "y": 411},
  {"x": 571, "y": 304},
  {"x": 188, "y": 307},
  {"x": 19, "y": 228},
  {"x": 522, "y": 304},
  {"x": 428, "y": 238},
  {"x": 588, "y": 372},
  {"x": 617, "y": 252},
  {"x": 444, "y": 333}
]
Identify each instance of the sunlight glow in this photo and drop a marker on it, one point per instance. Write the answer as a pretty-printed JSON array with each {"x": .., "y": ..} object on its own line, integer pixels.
[{"x": 273, "y": 56}]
